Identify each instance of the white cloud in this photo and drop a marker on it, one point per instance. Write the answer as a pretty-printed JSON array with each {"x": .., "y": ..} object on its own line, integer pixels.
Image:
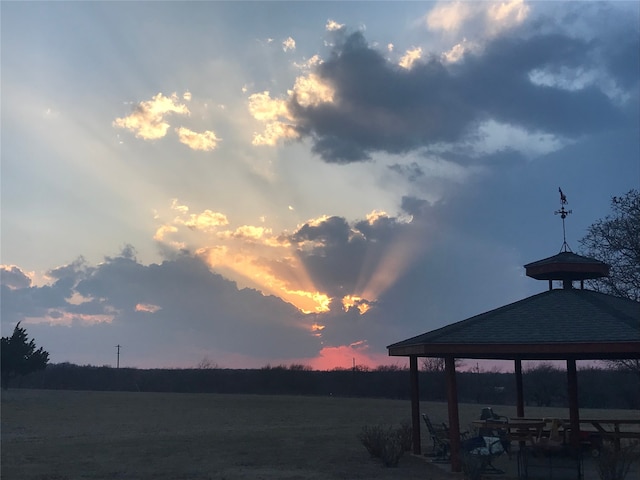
[
  {"x": 206, "y": 221},
  {"x": 308, "y": 91},
  {"x": 505, "y": 15},
  {"x": 147, "y": 119},
  {"x": 263, "y": 107},
  {"x": 314, "y": 61},
  {"x": 312, "y": 90},
  {"x": 455, "y": 53},
  {"x": 332, "y": 26},
  {"x": 449, "y": 16},
  {"x": 289, "y": 44},
  {"x": 57, "y": 316},
  {"x": 274, "y": 132},
  {"x": 410, "y": 57},
  {"x": 271, "y": 111},
  {"x": 494, "y": 137},
  {"x": 205, "y": 141},
  {"x": 495, "y": 17},
  {"x": 147, "y": 307}
]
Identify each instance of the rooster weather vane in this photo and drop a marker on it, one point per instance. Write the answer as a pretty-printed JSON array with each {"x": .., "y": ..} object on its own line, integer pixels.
[{"x": 563, "y": 214}]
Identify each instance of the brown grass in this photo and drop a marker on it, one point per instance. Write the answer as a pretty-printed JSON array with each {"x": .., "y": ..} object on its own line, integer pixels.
[{"x": 64, "y": 435}]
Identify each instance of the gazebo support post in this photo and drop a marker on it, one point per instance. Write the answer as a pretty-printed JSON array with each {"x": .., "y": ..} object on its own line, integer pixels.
[
  {"x": 519, "y": 388},
  {"x": 574, "y": 413},
  {"x": 415, "y": 405},
  {"x": 454, "y": 422}
]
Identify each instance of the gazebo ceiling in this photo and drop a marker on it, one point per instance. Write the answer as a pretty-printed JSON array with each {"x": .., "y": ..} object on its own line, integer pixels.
[{"x": 557, "y": 324}]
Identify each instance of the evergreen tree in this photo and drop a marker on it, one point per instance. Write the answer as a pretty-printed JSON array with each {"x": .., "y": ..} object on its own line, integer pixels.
[{"x": 19, "y": 356}]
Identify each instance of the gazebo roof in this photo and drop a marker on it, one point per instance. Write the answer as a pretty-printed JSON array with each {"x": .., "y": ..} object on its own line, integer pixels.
[{"x": 556, "y": 324}]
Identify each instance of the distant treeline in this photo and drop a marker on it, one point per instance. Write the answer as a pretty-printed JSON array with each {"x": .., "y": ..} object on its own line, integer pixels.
[{"x": 543, "y": 386}]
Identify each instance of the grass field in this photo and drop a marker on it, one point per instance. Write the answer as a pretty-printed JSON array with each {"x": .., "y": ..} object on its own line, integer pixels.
[{"x": 65, "y": 435}]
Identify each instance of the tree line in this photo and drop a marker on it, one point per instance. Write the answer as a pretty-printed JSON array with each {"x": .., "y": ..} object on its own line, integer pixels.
[{"x": 544, "y": 384}]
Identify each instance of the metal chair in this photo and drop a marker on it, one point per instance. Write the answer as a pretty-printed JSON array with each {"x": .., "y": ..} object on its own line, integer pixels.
[
  {"x": 439, "y": 437},
  {"x": 485, "y": 449},
  {"x": 497, "y": 426}
]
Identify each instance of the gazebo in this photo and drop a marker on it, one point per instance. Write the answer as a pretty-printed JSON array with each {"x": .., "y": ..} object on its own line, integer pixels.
[{"x": 567, "y": 324}]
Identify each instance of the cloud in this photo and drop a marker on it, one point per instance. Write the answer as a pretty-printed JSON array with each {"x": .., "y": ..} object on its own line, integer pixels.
[
  {"x": 410, "y": 58},
  {"x": 181, "y": 298},
  {"x": 312, "y": 91},
  {"x": 147, "y": 118},
  {"x": 146, "y": 307},
  {"x": 491, "y": 18},
  {"x": 180, "y": 305},
  {"x": 289, "y": 44},
  {"x": 12, "y": 277},
  {"x": 356, "y": 102},
  {"x": 308, "y": 91},
  {"x": 333, "y": 26},
  {"x": 503, "y": 15},
  {"x": 323, "y": 260},
  {"x": 449, "y": 16},
  {"x": 205, "y": 141}
]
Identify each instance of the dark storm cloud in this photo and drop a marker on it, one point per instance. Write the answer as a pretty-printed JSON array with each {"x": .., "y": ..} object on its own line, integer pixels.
[
  {"x": 176, "y": 301},
  {"x": 411, "y": 172},
  {"x": 380, "y": 106},
  {"x": 21, "y": 299},
  {"x": 498, "y": 85},
  {"x": 333, "y": 230},
  {"x": 13, "y": 277},
  {"x": 343, "y": 252}
]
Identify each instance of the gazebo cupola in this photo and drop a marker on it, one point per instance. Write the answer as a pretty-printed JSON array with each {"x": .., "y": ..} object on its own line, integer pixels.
[{"x": 566, "y": 266}]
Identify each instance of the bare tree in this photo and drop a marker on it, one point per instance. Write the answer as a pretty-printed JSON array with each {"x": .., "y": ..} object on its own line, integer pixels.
[
  {"x": 631, "y": 365},
  {"x": 206, "y": 364},
  {"x": 615, "y": 240},
  {"x": 436, "y": 365}
]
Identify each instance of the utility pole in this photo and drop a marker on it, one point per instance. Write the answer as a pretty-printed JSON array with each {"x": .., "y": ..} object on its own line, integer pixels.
[{"x": 118, "y": 357}]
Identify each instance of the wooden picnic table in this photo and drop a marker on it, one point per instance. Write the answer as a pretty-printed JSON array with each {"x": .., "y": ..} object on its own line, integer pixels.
[
  {"x": 530, "y": 430},
  {"x": 517, "y": 429},
  {"x": 615, "y": 424},
  {"x": 610, "y": 429}
]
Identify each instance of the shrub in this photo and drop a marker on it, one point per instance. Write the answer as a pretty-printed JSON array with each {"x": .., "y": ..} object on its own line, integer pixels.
[
  {"x": 373, "y": 437},
  {"x": 614, "y": 464},
  {"x": 405, "y": 433},
  {"x": 392, "y": 449},
  {"x": 386, "y": 443}
]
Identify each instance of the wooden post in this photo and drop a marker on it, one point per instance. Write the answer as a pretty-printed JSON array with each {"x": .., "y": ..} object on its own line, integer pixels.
[
  {"x": 574, "y": 413},
  {"x": 415, "y": 404},
  {"x": 519, "y": 389},
  {"x": 454, "y": 422}
]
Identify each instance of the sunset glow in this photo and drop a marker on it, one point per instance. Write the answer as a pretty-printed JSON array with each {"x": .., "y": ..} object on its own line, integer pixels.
[{"x": 278, "y": 182}]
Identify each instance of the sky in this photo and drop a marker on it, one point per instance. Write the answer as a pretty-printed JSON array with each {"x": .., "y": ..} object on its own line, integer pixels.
[{"x": 273, "y": 183}]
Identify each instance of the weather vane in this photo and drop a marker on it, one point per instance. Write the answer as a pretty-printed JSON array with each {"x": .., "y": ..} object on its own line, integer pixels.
[{"x": 563, "y": 214}]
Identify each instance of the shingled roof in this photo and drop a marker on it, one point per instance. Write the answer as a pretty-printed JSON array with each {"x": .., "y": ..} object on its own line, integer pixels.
[{"x": 556, "y": 324}]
